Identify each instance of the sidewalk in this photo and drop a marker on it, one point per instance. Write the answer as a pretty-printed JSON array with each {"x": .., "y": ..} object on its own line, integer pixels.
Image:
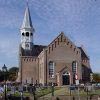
[{"x": 61, "y": 92}]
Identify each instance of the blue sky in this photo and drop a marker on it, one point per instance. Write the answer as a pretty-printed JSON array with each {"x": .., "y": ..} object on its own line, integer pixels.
[{"x": 78, "y": 19}]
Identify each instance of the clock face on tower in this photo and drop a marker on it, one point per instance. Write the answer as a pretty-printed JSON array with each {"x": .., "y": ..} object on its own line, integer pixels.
[{"x": 27, "y": 45}]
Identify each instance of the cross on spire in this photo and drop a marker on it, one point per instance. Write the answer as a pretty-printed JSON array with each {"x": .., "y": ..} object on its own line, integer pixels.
[{"x": 27, "y": 23}]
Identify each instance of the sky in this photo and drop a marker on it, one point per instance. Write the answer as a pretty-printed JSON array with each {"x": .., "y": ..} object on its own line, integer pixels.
[{"x": 78, "y": 19}]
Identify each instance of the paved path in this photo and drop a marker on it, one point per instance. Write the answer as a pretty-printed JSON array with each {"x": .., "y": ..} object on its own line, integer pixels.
[{"x": 61, "y": 92}]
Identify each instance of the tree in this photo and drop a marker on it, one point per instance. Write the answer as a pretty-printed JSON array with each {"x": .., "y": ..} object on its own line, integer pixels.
[
  {"x": 3, "y": 75},
  {"x": 96, "y": 77},
  {"x": 13, "y": 73},
  {"x": 10, "y": 75}
]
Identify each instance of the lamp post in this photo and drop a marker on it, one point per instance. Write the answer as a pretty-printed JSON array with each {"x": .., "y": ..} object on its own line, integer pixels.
[{"x": 4, "y": 69}]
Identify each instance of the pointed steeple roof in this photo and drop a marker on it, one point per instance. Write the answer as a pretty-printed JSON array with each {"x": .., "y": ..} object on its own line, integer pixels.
[{"x": 27, "y": 23}]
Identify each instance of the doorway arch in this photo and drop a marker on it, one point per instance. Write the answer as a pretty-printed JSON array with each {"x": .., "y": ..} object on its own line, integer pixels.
[{"x": 65, "y": 78}]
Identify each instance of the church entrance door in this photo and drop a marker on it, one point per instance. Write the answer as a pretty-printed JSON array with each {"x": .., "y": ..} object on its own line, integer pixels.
[{"x": 65, "y": 78}]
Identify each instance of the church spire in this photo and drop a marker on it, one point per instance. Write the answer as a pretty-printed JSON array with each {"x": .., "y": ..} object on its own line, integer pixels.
[
  {"x": 27, "y": 31},
  {"x": 27, "y": 23}
]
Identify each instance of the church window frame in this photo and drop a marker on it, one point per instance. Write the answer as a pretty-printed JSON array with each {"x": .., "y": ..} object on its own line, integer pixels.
[
  {"x": 74, "y": 67},
  {"x": 23, "y": 34},
  {"x": 27, "y": 34},
  {"x": 51, "y": 69},
  {"x": 31, "y": 34}
]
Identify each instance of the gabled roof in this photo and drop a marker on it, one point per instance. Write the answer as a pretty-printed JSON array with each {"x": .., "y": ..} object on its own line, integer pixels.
[
  {"x": 83, "y": 53},
  {"x": 36, "y": 50},
  {"x": 63, "y": 69},
  {"x": 66, "y": 40},
  {"x": 27, "y": 23},
  {"x": 57, "y": 37}
]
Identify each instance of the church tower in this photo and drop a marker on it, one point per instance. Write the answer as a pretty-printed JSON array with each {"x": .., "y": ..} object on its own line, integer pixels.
[
  {"x": 27, "y": 31},
  {"x": 27, "y": 61}
]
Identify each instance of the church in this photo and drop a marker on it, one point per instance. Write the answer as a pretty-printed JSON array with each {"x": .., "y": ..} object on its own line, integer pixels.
[{"x": 61, "y": 62}]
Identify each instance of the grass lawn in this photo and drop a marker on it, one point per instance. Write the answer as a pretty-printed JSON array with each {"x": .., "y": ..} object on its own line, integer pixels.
[
  {"x": 83, "y": 93},
  {"x": 58, "y": 91},
  {"x": 64, "y": 91},
  {"x": 45, "y": 91},
  {"x": 40, "y": 92}
]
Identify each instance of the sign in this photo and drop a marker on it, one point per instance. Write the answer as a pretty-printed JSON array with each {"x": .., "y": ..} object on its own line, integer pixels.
[{"x": 77, "y": 82}]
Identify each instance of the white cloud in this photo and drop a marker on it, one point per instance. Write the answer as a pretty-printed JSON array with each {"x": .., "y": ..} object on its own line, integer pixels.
[{"x": 79, "y": 19}]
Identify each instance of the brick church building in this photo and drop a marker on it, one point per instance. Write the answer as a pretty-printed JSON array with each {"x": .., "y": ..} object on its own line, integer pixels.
[{"x": 60, "y": 62}]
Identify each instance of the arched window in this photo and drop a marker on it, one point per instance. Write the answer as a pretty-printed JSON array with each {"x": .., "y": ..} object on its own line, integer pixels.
[
  {"x": 23, "y": 34},
  {"x": 74, "y": 67},
  {"x": 27, "y": 33},
  {"x": 51, "y": 69},
  {"x": 31, "y": 34}
]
